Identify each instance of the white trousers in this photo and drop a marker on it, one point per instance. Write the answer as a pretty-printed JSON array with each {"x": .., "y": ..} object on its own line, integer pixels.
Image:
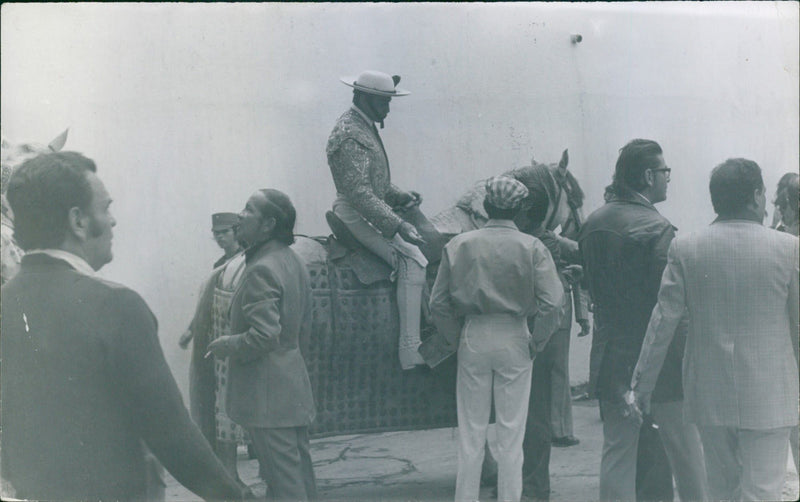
[{"x": 493, "y": 359}]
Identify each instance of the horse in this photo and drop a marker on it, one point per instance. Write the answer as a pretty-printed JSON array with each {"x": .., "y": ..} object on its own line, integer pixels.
[
  {"x": 565, "y": 196},
  {"x": 12, "y": 155},
  {"x": 352, "y": 353}
]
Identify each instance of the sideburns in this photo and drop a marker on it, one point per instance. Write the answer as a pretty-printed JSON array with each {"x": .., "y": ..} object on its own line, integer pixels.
[{"x": 95, "y": 228}]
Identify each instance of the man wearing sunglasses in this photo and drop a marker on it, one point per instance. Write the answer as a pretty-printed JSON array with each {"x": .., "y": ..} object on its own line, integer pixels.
[{"x": 624, "y": 250}]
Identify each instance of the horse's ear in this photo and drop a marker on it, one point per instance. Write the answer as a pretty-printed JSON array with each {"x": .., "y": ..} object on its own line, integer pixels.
[
  {"x": 562, "y": 164},
  {"x": 59, "y": 141}
]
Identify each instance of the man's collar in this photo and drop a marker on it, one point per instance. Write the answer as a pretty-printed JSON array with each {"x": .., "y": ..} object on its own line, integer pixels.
[
  {"x": 257, "y": 250},
  {"x": 642, "y": 198},
  {"x": 75, "y": 261},
  {"x": 501, "y": 223},
  {"x": 635, "y": 198},
  {"x": 737, "y": 219},
  {"x": 363, "y": 115}
]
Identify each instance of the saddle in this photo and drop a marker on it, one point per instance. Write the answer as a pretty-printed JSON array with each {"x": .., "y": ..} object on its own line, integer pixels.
[
  {"x": 345, "y": 251},
  {"x": 369, "y": 268}
]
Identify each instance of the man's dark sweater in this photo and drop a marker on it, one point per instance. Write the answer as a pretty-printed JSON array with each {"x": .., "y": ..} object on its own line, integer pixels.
[{"x": 85, "y": 386}]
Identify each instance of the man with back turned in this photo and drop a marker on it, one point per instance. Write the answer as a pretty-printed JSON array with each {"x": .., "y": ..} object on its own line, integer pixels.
[
  {"x": 739, "y": 282},
  {"x": 624, "y": 248},
  {"x": 85, "y": 386}
]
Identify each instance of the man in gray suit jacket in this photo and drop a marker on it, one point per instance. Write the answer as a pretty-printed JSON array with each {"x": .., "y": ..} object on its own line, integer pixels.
[
  {"x": 269, "y": 392},
  {"x": 739, "y": 282}
]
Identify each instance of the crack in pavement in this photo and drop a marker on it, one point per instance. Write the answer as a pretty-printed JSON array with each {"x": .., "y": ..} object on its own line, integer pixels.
[{"x": 346, "y": 455}]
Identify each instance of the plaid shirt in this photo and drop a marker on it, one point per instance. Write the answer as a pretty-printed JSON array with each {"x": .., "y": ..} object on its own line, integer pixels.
[{"x": 739, "y": 281}]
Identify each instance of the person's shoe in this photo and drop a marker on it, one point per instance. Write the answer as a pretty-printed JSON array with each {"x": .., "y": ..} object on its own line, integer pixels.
[{"x": 565, "y": 441}]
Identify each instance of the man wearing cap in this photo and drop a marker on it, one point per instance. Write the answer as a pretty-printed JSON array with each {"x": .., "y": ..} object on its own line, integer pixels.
[
  {"x": 222, "y": 228},
  {"x": 490, "y": 281},
  {"x": 207, "y": 376},
  {"x": 368, "y": 204}
]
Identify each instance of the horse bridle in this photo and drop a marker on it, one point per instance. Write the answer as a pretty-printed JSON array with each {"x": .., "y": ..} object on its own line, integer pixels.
[{"x": 561, "y": 182}]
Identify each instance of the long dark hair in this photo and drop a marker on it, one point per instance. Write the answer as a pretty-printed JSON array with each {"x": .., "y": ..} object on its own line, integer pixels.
[
  {"x": 280, "y": 207},
  {"x": 634, "y": 159}
]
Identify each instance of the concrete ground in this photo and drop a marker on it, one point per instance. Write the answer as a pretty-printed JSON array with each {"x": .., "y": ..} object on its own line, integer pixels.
[{"x": 421, "y": 465}]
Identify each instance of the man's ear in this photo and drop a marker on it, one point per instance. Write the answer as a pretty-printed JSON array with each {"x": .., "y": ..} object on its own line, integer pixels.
[
  {"x": 754, "y": 197},
  {"x": 649, "y": 177},
  {"x": 78, "y": 223},
  {"x": 268, "y": 224}
]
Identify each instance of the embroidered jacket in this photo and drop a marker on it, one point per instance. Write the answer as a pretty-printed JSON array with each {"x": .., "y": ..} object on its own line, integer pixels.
[{"x": 360, "y": 171}]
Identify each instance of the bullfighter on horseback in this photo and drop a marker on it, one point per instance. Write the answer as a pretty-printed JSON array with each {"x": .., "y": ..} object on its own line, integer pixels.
[{"x": 369, "y": 207}]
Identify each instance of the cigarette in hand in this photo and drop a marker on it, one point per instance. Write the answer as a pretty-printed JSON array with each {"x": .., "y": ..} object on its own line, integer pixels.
[{"x": 208, "y": 354}]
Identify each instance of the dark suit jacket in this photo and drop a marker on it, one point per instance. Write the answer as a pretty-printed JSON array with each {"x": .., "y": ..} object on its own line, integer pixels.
[
  {"x": 84, "y": 386},
  {"x": 268, "y": 385},
  {"x": 624, "y": 249}
]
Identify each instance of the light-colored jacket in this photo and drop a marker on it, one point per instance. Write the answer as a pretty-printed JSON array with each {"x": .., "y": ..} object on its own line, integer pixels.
[
  {"x": 497, "y": 270},
  {"x": 739, "y": 281},
  {"x": 268, "y": 385}
]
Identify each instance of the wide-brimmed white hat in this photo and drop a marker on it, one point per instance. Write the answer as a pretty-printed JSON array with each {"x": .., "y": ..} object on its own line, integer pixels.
[{"x": 376, "y": 82}]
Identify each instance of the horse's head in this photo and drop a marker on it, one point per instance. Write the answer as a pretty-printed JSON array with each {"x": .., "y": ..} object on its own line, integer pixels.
[
  {"x": 555, "y": 184},
  {"x": 12, "y": 155},
  {"x": 554, "y": 197}
]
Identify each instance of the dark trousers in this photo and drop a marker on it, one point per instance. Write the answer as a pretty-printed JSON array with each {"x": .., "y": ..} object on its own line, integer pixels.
[
  {"x": 634, "y": 465},
  {"x": 538, "y": 432},
  {"x": 284, "y": 454},
  {"x": 653, "y": 473}
]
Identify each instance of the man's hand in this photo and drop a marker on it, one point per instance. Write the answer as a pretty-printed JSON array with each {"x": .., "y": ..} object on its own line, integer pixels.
[
  {"x": 410, "y": 234},
  {"x": 573, "y": 273},
  {"x": 643, "y": 401},
  {"x": 586, "y": 327},
  {"x": 633, "y": 411},
  {"x": 406, "y": 201},
  {"x": 221, "y": 347},
  {"x": 569, "y": 245},
  {"x": 532, "y": 349},
  {"x": 185, "y": 338}
]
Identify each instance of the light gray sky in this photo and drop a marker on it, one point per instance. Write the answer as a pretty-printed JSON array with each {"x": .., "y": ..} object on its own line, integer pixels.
[{"x": 188, "y": 108}]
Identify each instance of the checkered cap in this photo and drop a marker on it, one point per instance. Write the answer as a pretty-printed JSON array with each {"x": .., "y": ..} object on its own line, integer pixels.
[{"x": 504, "y": 192}]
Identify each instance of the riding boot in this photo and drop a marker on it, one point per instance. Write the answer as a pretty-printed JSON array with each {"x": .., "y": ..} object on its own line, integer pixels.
[
  {"x": 227, "y": 454},
  {"x": 410, "y": 281}
]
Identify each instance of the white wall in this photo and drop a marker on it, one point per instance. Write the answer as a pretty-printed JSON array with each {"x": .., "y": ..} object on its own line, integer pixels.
[{"x": 188, "y": 109}]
